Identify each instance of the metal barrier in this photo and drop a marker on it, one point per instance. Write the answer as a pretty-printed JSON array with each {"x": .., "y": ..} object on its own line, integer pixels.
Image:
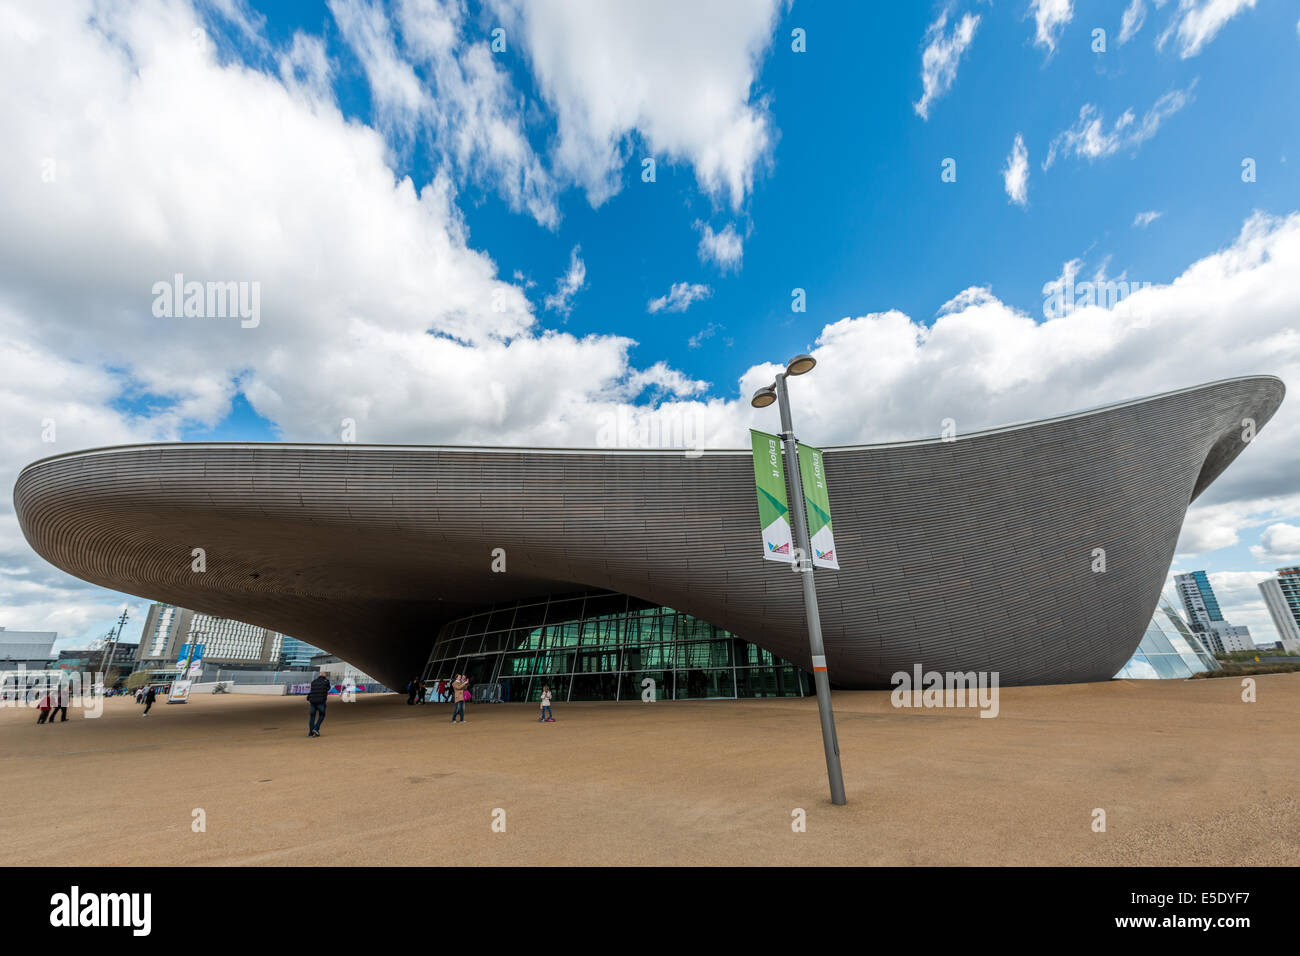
[{"x": 286, "y": 676}]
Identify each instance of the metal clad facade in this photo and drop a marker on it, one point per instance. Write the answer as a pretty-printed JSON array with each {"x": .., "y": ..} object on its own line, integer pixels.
[{"x": 974, "y": 554}]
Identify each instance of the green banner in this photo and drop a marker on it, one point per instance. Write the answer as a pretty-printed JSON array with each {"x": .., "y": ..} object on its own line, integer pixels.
[
  {"x": 773, "y": 510},
  {"x": 818, "y": 500}
]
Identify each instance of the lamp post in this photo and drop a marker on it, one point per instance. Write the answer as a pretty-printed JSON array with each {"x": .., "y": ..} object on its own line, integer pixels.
[
  {"x": 776, "y": 392},
  {"x": 110, "y": 644}
]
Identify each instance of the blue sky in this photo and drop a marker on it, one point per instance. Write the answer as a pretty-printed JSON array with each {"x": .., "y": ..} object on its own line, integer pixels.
[
  {"x": 277, "y": 154},
  {"x": 851, "y": 206}
]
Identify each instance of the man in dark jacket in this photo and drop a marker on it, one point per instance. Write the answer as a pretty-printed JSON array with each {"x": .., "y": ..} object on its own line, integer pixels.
[
  {"x": 150, "y": 696},
  {"x": 59, "y": 702},
  {"x": 316, "y": 698}
]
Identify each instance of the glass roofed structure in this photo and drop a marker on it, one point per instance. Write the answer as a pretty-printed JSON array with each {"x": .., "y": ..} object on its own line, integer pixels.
[{"x": 1168, "y": 649}]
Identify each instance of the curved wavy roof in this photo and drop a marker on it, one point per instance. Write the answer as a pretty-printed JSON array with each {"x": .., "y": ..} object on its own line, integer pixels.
[{"x": 972, "y": 554}]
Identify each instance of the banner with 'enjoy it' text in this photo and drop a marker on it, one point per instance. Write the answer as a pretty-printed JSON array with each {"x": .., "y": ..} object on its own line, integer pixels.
[
  {"x": 818, "y": 500},
  {"x": 773, "y": 510}
]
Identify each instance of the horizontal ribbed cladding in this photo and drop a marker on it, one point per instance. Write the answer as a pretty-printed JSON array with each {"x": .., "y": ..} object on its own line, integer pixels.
[
  {"x": 966, "y": 555},
  {"x": 1010, "y": 522}
]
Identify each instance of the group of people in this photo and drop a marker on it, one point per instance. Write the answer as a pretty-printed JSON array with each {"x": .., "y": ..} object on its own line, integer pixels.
[
  {"x": 415, "y": 691},
  {"x": 457, "y": 691},
  {"x": 443, "y": 691},
  {"x": 52, "y": 703},
  {"x": 55, "y": 702},
  {"x": 146, "y": 695}
]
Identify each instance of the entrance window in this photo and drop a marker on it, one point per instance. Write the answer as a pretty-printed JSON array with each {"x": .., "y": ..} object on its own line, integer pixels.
[{"x": 603, "y": 646}]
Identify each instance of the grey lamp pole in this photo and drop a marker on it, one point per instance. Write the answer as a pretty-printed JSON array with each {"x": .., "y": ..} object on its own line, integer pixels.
[
  {"x": 798, "y": 366},
  {"x": 110, "y": 644}
]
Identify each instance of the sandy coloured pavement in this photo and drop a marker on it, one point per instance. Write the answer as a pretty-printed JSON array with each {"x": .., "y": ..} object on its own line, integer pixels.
[{"x": 1186, "y": 772}]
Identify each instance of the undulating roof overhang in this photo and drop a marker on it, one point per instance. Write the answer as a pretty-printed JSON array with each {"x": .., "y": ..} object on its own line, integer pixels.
[{"x": 971, "y": 554}]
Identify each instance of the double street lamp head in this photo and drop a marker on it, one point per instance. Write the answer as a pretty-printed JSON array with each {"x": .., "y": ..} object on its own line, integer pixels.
[{"x": 799, "y": 365}]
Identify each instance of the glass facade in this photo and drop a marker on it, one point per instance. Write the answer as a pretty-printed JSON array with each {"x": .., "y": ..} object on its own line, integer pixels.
[
  {"x": 606, "y": 646},
  {"x": 1288, "y": 580},
  {"x": 296, "y": 653},
  {"x": 230, "y": 640},
  {"x": 1168, "y": 649},
  {"x": 1207, "y": 595},
  {"x": 157, "y": 642}
]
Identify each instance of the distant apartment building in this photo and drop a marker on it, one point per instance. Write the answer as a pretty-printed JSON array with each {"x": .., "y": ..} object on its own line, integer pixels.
[
  {"x": 1206, "y": 618},
  {"x": 163, "y": 633},
  {"x": 1225, "y": 638},
  {"x": 1282, "y": 598},
  {"x": 167, "y": 628},
  {"x": 234, "y": 642},
  {"x": 1199, "y": 602},
  {"x": 296, "y": 653}
]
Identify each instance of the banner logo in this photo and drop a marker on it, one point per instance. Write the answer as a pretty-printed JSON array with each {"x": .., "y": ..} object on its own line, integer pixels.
[
  {"x": 817, "y": 497},
  {"x": 773, "y": 509}
]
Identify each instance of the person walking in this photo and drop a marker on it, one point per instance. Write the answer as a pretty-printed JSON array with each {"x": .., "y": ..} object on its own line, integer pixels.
[
  {"x": 545, "y": 716},
  {"x": 420, "y": 691},
  {"x": 150, "y": 696},
  {"x": 412, "y": 688},
  {"x": 460, "y": 694},
  {"x": 317, "y": 697},
  {"x": 43, "y": 705},
  {"x": 60, "y": 703}
]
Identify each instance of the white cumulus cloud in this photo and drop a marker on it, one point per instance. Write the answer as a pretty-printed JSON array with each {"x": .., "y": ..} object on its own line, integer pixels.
[
  {"x": 1197, "y": 22},
  {"x": 943, "y": 51},
  {"x": 698, "y": 339},
  {"x": 436, "y": 79},
  {"x": 1278, "y": 545},
  {"x": 678, "y": 76},
  {"x": 376, "y": 307},
  {"x": 1015, "y": 177},
  {"x": 724, "y": 249},
  {"x": 1089, "y": 139},
  {"x": 1050, "y": 20},
  {"x": 568, "y": 285},
  {"x": 1134, "y": 16},
  {"x": 680, "y": 297}
]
